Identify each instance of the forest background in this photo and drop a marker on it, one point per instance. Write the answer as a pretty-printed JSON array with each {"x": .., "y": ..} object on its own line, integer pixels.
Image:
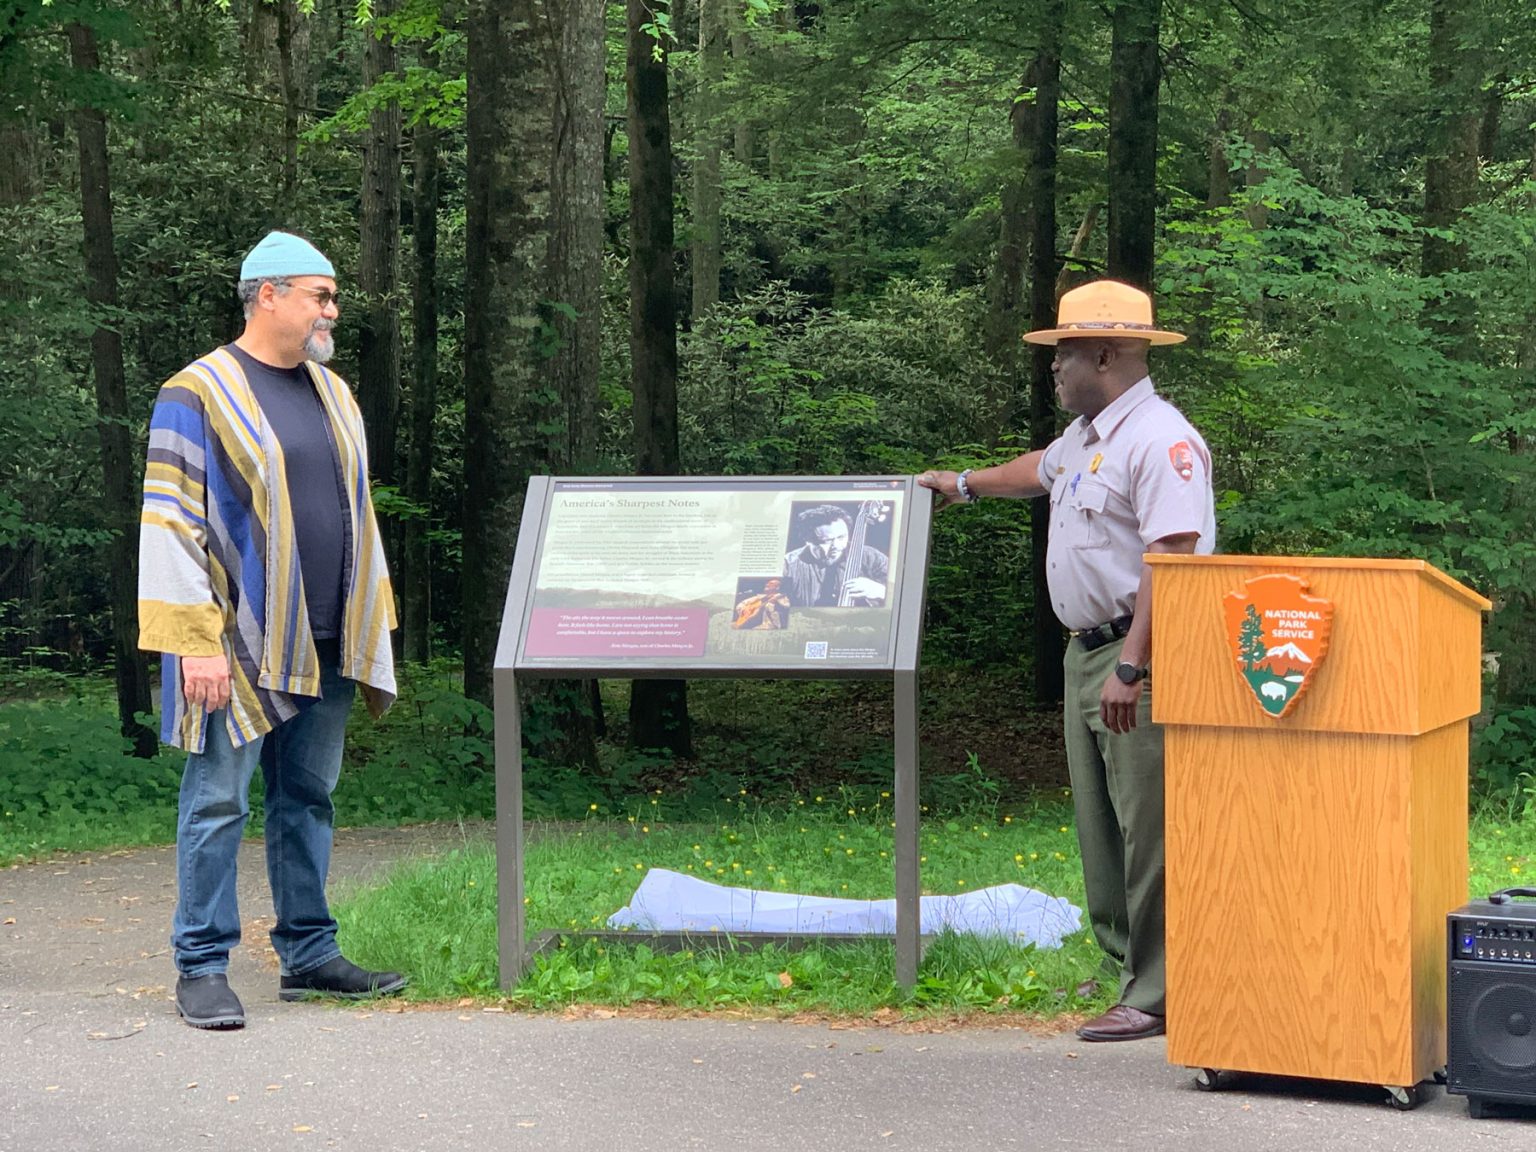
[{"x": 758, "y": 237}]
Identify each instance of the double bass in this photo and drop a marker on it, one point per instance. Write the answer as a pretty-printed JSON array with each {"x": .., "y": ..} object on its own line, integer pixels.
[{"x": 870, "y": 512}]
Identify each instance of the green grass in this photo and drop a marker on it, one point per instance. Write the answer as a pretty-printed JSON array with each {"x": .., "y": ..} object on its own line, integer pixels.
[
  {"x": 436, "y": 917},
  {"x": 761, "y": 807}
]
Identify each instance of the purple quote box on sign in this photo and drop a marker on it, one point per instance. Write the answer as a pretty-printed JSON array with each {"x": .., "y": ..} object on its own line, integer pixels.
[{"x": 626, "y": 632}]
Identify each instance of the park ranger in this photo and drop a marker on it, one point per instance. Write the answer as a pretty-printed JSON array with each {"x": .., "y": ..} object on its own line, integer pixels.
[{"x": 1129, "y": 476}]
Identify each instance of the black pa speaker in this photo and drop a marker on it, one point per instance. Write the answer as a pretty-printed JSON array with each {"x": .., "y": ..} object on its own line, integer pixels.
[{"x": 1491, "y": 1001}]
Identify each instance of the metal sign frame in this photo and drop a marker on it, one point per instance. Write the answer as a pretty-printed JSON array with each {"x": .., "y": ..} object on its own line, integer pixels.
[{"x": 909, "y": 579}]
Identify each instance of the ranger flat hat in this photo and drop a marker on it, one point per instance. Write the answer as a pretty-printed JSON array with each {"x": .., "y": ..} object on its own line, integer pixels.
[{"x": 1104, "y": 308}]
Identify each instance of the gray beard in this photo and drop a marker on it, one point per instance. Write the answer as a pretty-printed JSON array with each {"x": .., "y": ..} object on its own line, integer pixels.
[{"x": 319, "y": 345}]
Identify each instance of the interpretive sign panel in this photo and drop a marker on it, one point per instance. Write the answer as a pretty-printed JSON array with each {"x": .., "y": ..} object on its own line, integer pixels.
[
  {"x": 669, "y": 576},
  {"x": 749, "y": 575}
]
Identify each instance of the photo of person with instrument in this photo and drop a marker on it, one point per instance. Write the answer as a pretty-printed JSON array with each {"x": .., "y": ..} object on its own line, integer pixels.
[
  {"x": 839, "y": 554},
  {"x": 760, "y": 605}
]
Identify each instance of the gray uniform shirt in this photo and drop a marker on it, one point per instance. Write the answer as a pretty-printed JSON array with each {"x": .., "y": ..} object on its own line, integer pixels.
[
  {"x": 316, "y": 491},
  {"x": 1134, "y": 474}
]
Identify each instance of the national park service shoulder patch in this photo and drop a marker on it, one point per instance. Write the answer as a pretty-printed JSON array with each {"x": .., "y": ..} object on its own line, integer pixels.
[{"x": 1182, "y": 457}]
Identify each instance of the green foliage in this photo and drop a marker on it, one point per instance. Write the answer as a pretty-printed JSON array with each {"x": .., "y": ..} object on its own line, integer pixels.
[
  {"x": 429, "y": 758},
  {"x": 771, "y": 384},
  {"x": 1504, "y": 753},
  {"x": 970, "y": 973},
  {"x": 68, "y": 780},
  {"x": 862, "y": 189},
  {"x": 659, "y": 28},
  {"x": 431, "y": 95},
  {"x": 1368, "y": 436}
]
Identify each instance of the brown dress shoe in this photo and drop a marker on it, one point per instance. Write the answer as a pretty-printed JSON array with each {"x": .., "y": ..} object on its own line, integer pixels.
[{"x": 1122, "y": 1022}]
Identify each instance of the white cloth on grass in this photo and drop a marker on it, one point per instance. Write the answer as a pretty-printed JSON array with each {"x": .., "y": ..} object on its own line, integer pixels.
[{"x": 669, "y": 901}]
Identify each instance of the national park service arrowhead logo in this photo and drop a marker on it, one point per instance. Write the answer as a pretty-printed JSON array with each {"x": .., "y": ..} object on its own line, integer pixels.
[{"x": 1279, "y": 636}]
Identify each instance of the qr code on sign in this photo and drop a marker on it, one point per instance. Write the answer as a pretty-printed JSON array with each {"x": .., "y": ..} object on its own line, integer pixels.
[{"x": 816, "y": 650}]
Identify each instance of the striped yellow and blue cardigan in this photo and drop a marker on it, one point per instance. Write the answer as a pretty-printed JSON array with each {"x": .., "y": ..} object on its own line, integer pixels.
[{"x": 218, "y": 562}]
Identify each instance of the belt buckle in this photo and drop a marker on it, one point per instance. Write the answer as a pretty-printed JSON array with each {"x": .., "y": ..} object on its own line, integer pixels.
[{"x": 1101, "y": 634}]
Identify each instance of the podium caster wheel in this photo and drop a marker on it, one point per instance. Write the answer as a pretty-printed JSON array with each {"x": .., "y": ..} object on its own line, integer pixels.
[
  {"x": 1441, "y": 1076},
  {"x": 1208, "y": 1079},
  {"x": 1403, "y": 1099}
]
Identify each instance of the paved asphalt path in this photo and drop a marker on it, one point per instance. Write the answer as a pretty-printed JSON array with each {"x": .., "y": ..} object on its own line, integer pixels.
[{"x": 92, "y": 1056}]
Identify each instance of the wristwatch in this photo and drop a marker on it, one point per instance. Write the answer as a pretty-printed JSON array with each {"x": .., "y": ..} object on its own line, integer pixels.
[{"x": 1129, "y": 673}]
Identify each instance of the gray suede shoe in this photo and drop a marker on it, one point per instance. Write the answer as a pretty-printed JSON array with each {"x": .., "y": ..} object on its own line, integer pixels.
[
  {"x": 209, "y": 1002},
  {"x": 341, "y": 978}
]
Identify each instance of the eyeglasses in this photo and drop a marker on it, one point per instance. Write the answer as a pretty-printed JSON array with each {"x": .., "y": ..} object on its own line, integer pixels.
[{"x": 323, "y": 296}]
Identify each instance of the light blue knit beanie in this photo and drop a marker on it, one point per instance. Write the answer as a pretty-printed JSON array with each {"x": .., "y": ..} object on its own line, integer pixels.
[{"x": 284, "y": 254}]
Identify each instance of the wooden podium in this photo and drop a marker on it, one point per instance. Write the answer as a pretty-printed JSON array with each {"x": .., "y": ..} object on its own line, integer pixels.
[{"x": 1312, "y": 857}]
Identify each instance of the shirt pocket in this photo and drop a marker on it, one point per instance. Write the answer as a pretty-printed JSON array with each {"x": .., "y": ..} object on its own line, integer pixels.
[{"x": 1083, "y": 516}]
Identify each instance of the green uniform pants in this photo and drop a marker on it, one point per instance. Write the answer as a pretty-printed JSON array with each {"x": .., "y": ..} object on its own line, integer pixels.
[{"x": 1117, "y": 795}]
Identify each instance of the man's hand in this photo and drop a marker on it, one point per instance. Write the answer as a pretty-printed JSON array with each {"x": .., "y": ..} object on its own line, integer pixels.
[
  {"x": 945, "y": 484},
  {"x": 1117, "y": 704},
  {"x": 205, "y": 681},
  {"x": 864, "y": 587}
]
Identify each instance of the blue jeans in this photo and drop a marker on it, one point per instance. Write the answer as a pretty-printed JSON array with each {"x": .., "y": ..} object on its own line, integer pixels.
[{"x": 300, "y": 762}]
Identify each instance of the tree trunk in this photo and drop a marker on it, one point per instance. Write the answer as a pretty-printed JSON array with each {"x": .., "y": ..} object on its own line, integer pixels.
[
  {"x": 506, "y": 195},
  {"x": 1218, "y": 189},
  {"x": 378, "y": 276},
  {"x": 1256, "y": 211},
  {"x": 260, "y": 34},
  {"x": 745, "y": 143},
  {"x": 658, "y": 709},
  {"x": 1046, "y": 640},
  {"x": 291, "y": 86},
  {"x": 416, "y": 587},
  {"x": 785, "y": 21},
  {"x": 1001, "y": 336},
  {"x": 1488, "y": 126},
  {"x": 516, "y": 344},
  {"x": 1450, "y": 167},
  {"x": 1133, "y": 94},
  {"x": 706, "y": 170},
  {"x": 577, "y": 209},
  {"x": 18, "y": 174},
  {"x": 1072, "y": 273},
  {"x": 119, "y": 476},
  {"x": 276, "y": 57}
]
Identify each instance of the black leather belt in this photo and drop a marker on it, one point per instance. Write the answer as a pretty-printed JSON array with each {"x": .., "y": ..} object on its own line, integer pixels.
[{"x": 1102, "y": 634}]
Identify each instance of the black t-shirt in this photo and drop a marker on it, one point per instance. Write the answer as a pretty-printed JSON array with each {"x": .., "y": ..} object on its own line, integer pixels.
[{"x": 316, "y": 490}]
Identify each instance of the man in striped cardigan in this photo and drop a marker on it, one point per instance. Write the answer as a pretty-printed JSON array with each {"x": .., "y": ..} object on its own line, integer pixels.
[{"x": 262, "y": 580}]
